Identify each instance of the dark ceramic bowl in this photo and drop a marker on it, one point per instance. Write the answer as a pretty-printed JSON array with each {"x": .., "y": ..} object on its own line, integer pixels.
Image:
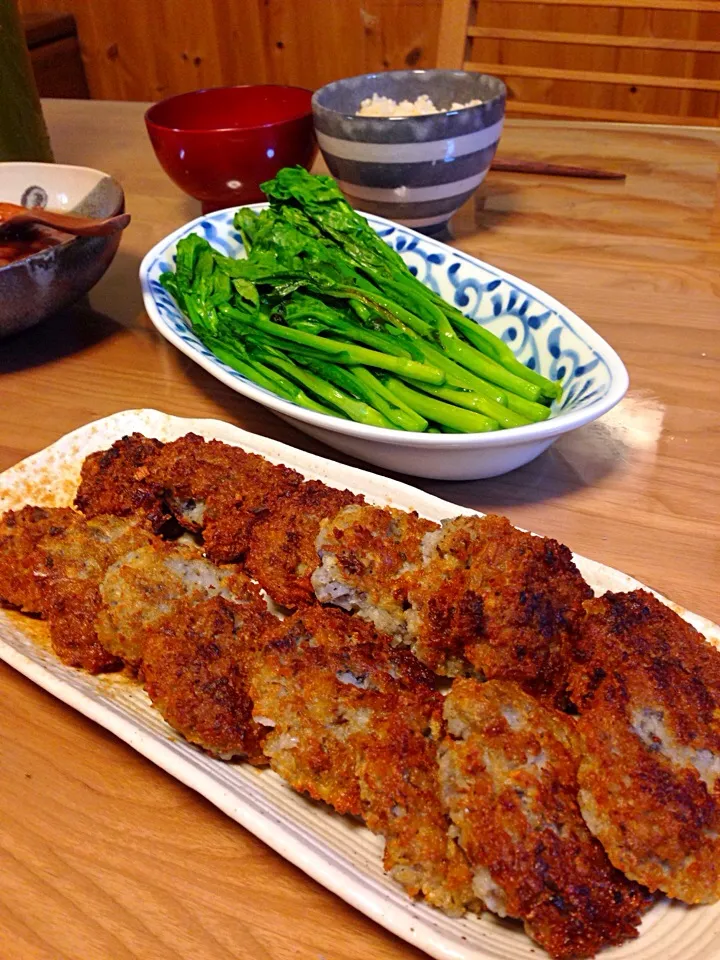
[
  {"x": 415, "y": 170},
  {"x": 40, "y": 285},
  {"x": 220, "y": 144}
]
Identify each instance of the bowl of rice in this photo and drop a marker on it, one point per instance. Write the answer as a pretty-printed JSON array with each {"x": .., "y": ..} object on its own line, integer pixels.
[{"x": 410, "y": 145}]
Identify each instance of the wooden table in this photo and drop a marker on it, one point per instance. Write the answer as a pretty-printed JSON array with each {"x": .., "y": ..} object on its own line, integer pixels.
[{"x": 104, "y": 857}]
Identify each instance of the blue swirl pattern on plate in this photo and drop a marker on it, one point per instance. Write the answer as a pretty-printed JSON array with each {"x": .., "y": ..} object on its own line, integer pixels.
[{"x": 539, "y": 336}]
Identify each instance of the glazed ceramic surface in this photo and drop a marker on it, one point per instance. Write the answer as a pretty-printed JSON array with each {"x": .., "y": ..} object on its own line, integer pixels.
[
  {"x": 340, "y": 854},
  {"x": 543, "y": 334},
  {"x": 38, "y": 286},
  {"x": 415, "y": 170},
  {"x": 220, "y": 144}
]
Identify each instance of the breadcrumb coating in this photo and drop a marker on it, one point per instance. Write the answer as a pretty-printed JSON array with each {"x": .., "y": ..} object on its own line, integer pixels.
[
  {"x": 72, "y": 566},
  {"x": 647, "y": 686},
  {"x": 365, "y": 554},
  {"x": 282, "y": 553},
  {"x": 116, "y": 481},
  {"x": 355, "y": 723},
  {"x": 400, "y": 796},
  {"x": 496, "y": 602},
  {"x": 196, "y": 666},
  {"x": 20, "y": 533},
  {"x": 151, "y": 582},
  {"x": 508, "y": 769},
  {"x": 220, "y": 490}
]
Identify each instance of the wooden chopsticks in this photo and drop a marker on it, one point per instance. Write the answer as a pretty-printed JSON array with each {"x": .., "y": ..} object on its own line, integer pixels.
[{"x": 554, "y": 169}]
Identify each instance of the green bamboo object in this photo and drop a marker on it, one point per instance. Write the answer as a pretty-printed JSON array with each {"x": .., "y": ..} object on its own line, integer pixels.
[{"x": 23, "y": 134}]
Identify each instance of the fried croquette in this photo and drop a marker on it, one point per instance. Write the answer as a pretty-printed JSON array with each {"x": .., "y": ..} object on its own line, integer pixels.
[
  {"x": 219, "y": 490},
  {"x": 508, "y": 770},
  {"x": 282, "y": 552},
  {"x": 497, "y": 602},
  {"x": 115, "y": 481},
  {"x": 647, "y": 686},
  {"x": 20, "y": 533},
  {"x": 400, "y": 797},
  {"x": 196, "y": 663},
  {"x": 365, "y": 553},
  {"x": 149, "y": 583},
  {"x": 355, "y": 723},
  {"x": 71, "y": 567},
  {"x": 298, "y": 696}
]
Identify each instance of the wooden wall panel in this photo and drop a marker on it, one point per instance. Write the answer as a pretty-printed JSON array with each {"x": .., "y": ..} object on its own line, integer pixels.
[
  {"x": 149, "y": 49},
  {"x": 505, "y": 18}
]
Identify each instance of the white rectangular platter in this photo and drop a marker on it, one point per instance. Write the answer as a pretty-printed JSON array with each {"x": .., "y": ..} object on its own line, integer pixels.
[{"x": 342, "y": 856}]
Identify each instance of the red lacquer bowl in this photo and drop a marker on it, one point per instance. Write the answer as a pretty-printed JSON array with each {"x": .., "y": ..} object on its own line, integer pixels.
[{"x": 220, "y": 144}]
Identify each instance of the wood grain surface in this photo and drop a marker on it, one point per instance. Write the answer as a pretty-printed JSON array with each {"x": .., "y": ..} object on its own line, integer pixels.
[
  {"x": 102, "y": 856},
  {"x": 594, "y": 59},
  {"x": 169, "y": 46},
  {"x": 165, "y": 47}
]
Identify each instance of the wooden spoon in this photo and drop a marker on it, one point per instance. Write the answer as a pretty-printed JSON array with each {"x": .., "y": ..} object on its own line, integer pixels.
[{"x": 13, "y": 217}]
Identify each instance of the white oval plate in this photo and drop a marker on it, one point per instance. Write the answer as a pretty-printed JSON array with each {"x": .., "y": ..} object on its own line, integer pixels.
[
  {"x": 540, "y": 330},
  {"x": 346, "y": 859}
]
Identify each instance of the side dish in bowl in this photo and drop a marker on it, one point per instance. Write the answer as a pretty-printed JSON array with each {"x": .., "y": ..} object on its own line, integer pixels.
[
  {"x": 43, "y": 270},
  {"x": 403, "y": 352},
  {"x": 411, "y": 145}
]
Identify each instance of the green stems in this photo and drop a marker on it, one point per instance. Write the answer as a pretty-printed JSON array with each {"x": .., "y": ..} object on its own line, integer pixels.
[
  {"x": 269, "y": 379},
  {"x": 534, "y": 412},
  {"x": 346, "y": 353},
  {"x": 486, "y": 368},
  {"x": 464, "y": 421},
  {"x": 353, "y": 331},
  {"x": 355, "y": 409},
  {"x": 366, "y": 377},
  {"x": 504, "y": 416},
  {"x": 498, "y": 351},
  {"x": 389, "y": 310},
  {"x": 372, "y": 393}
]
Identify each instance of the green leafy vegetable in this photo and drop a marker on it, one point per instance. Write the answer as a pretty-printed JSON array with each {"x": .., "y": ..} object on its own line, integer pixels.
[{"x": 323, "y": 313}]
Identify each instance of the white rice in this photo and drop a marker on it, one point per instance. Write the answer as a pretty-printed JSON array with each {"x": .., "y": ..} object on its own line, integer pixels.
[{"x": 377, "y": 106}]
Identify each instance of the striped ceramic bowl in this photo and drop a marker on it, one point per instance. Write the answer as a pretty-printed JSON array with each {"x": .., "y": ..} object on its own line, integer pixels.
[{"x": 416, "y": 170}]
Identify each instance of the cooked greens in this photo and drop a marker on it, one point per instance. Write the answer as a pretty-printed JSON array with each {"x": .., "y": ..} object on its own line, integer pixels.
[{"x": 325, "y": 314}]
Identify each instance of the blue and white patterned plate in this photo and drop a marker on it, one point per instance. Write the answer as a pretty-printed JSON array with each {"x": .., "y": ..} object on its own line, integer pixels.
[{"x": 542, "y": 333}]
